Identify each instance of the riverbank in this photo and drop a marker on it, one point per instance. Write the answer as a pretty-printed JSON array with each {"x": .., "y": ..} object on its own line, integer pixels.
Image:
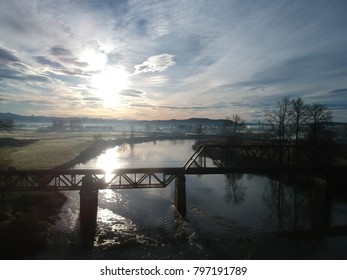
[{"x": 27, "y": 221}]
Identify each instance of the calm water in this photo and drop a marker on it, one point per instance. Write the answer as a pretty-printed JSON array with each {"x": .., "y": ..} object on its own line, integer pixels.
[{"x": 234, "y": 216}]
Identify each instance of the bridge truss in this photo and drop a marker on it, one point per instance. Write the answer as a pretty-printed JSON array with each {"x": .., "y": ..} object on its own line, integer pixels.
[
  {"x": 207, "y": 159},
  {"x": 75, "y": 179},
  {"x": 253, "y": 156}
]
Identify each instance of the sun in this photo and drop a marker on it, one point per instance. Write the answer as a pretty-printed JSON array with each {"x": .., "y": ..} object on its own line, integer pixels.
[{"x": 108, "y": 83}]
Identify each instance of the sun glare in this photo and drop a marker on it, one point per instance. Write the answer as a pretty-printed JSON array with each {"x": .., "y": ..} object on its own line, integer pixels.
[
  {"x": 109, "y": 83},
  {"x": 109, "y": 161}
]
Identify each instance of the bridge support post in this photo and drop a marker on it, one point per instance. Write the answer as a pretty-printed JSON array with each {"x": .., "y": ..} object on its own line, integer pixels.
[
  {"x": 180, "y": 194},
  {"x": 88, "y": 203}
]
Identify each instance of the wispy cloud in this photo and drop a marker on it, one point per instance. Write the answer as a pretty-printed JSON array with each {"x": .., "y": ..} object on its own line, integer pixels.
[
  {"x": 157, "y": 63},
  {"x": 188, "y": 57},
  {"x": 7, "y": 55},
  {"x": 46, "y": 61},
  {"x": 131, "y": 93},
  {"x": 66, "y": 56}
]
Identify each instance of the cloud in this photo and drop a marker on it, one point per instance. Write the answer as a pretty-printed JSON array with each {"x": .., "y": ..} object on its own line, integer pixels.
[
  {"x": 158, "y": 63},
  {"x": 60, "y": 51},
  {"x": 334, "y": 99},
  {"x": 339, "y": 92},
  {"x": 13, "y": 69},
  {"x": 7, "y": 55},
  {"x": 45, "y": 61},
  {"x": 66, "y": 56},
  {"x": 229, "y": 56},
  {"x": 68, "y": 77},
  {"x": 97, "y": 99},
  {"x": 17, "y": 75},
  {"x": 214, "y": 106},
  {"x": 131, "y": 93}
]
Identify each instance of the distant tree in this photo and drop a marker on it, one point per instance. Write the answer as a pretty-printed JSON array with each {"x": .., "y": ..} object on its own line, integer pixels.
[
  {"x": 59, "y": 125},
  {"x": 199, "y": 130},
  {"x": 232, "y": 128},
  {"x": 278, "y": 120},
  {"x": 132, "y": 131},
  {"x": 320, "y": 117},
  {"x": 236, "y": 127},
  {"x": 75, "y": 125},
  {"x": 226, "y": 127},
  {"x": 6, "y": 125}
]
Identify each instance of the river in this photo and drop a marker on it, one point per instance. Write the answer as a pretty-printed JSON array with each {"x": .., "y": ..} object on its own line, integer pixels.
[{"x": 233, "y": 216}]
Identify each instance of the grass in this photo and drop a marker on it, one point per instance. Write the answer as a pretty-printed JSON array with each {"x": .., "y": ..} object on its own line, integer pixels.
[{"x": 46, "y": 152}]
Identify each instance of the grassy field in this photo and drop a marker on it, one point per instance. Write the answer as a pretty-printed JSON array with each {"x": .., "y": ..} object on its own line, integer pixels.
[
  {"x": 45, "y": 150},
  {"x": 44, "y": 154}
]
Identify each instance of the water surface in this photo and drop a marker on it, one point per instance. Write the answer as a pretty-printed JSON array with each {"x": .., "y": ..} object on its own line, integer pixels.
[{"x": 232, "y": 216}]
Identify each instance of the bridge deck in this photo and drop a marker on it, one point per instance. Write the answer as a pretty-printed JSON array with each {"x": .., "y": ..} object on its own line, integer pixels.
[{"x": 72, "y": 179}]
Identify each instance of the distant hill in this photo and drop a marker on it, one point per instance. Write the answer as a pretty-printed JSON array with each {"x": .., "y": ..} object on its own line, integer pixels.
[
  {"x": 25, "y": 119},
  {"x": 18, "y": 119}
]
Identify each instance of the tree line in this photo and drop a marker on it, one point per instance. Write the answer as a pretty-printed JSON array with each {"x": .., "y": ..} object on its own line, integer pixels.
[
  {"x": 6, "y": 125},
  {"x": 293, "y": 119},
  {"x": 290, "y": 120}
]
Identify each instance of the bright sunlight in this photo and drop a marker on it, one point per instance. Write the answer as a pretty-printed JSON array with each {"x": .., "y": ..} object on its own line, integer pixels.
[{"x": 109, "y": 83}]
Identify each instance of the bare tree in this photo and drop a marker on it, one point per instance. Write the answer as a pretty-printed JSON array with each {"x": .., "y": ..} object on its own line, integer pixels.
[
  {"x": 237, "y": 126},
  {"x": 278, "y": 120},
  {"x": 299, "y": 116},
  {"x": 199, "y": 130},
  {"x": 233, "y": 127},
  {"x": 226, "y": 127},
  {"x": 319, "y": 118}
]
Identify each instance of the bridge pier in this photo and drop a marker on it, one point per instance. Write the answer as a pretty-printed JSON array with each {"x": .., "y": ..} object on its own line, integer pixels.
[
  {"x": 180, "y": 194},
  {"x": 88, "y": 202}
]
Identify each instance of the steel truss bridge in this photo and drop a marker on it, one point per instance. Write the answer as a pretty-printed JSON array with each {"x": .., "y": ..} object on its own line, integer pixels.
[{"x": 207, "y": 159}]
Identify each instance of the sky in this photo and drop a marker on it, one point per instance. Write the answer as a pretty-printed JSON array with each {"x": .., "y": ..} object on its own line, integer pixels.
[{"x": 132, "y": 59}]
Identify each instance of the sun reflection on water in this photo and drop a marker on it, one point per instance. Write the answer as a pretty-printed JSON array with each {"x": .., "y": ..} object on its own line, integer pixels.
[
  {"x": 109, "y": 161},
  {"x": 113, "y": 229},
  {"x": 110, "y": 196},
  {"x": 106, "y": 216},
  {"x": 117, "y": 231}
]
